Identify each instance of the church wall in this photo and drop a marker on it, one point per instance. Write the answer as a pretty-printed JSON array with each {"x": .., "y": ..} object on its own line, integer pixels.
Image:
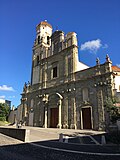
[
  {"x": 59, "y": 81},
  {"x": 72, "y": 103}
]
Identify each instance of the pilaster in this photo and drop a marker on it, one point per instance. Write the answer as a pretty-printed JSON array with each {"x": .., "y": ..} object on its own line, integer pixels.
[
  {"x": 100, "y": 109},
  {"x": 65, "y": 113}
]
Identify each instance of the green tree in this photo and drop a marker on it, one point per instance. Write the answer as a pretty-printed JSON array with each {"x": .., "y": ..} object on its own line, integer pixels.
[
  {"x": 4, "y": 111},
  {"x": 112, "y": 109}
]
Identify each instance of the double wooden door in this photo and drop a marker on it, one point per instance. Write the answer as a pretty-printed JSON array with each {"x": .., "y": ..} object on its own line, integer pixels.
[{"x": 54, "y": 117}]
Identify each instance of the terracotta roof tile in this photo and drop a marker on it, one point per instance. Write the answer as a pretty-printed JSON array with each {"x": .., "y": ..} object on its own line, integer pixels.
[
  {"x": 116, "y": 68},
  {"x": 44, "y": 23}
]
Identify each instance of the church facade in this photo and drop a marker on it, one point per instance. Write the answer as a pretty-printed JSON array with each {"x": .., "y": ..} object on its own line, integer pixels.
[{"x": 63, "y": 92}]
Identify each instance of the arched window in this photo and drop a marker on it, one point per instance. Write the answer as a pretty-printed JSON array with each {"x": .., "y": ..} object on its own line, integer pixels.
[
  {"x": 38, "y": 39},
  {"x": 85, "y": 94},
  {"x": 37, "y": 60},
  {"x": 48, "y": 40},
  {"x": 55, "y": 72}
]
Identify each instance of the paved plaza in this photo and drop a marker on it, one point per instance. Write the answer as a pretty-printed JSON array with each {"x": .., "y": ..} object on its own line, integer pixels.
[
  {"x": 44, "y": 145},
  {"x": 40, "y": 134}
]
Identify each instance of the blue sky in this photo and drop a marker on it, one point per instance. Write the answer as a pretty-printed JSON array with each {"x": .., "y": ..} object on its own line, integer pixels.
[{"x": 96, "y": 22}]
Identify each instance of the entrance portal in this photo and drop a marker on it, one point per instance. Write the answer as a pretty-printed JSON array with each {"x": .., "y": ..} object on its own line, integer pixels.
[
  {"x": 86, "y": 118},
  {"x": 54, "y": 117}
]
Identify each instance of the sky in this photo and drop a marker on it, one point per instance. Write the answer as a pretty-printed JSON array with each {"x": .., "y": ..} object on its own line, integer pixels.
[{"x": 96, "y": 22}]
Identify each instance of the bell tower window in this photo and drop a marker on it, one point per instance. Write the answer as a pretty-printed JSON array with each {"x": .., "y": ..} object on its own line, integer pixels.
[
  {"x": 38, "y": 39},
  {"x": 48, "y": 40},
  {"x": 37, "y": 60}
]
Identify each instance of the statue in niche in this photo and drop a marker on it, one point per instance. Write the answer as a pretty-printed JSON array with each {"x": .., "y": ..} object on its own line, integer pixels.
[
  {"x": 97, "y": 61},
  {"x": 25, "y": 87},
  {"x": 107, "y": 58},
  {"x": 28, "y": 85}
]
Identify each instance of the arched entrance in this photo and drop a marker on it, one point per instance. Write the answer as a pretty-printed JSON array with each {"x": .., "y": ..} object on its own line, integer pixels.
[
  {"x": 86, "y": 117},
  {"x": 54, "y": 111}
]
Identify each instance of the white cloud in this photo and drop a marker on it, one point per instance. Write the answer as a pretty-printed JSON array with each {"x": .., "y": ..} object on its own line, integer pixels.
[
  {"x": 105, "y": 46},
  {"x": 2, "y": 97},
  {"x": 6, "y": 88},
  {"x": 11, "y": 97},
  {"x": 118, "y": 65},
  {"x": 93, "y": 46}
]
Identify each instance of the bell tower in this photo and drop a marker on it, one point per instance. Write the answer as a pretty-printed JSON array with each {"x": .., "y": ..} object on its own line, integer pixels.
[
  {"x": 41, "y": 50},
  {"x": 43, "y": 33}
]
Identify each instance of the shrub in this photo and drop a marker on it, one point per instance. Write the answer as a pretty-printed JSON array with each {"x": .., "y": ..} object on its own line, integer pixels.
[
  {"x": 3, "y": 119},
  {"x": 4, "y": 111},
  {"x": 113, "y": 137}
]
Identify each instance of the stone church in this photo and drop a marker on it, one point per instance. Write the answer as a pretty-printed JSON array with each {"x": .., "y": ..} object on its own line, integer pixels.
[{"x": 63, "y": 92}]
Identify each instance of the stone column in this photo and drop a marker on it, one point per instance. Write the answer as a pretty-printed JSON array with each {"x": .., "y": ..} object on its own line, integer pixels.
[
  {"x": 73, "y": 114},
  {"x": 59, "y": 105},
  {"x": 41, "y": 74},
  {"x": 45, "y": 100},
  {"x": 75, "y": 126},
  {"x": 43, "y": 82},
  {"x": 65, "y": 113},
  {"x": 45, "y": 74},
  {"x": 66, "y": 68},
  {"x": 46, "y": 117}
]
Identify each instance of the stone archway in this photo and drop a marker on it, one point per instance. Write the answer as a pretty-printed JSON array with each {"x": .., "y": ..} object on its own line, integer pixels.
[{"x": 54, "y": 110}]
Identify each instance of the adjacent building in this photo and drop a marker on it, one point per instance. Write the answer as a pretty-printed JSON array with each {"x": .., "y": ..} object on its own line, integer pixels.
[
  {"x": 116, "y": 71},
  {"x": 63, "y": 92},
  {"x": 15, "y": 115},
  {"x": 6, "y": 101}
]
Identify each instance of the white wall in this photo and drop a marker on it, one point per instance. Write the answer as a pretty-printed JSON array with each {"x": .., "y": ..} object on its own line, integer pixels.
[
  {"x": 2, "y": 101},
  {"x": 117, "y": 83},
  {"x": 81, "y": 66}
]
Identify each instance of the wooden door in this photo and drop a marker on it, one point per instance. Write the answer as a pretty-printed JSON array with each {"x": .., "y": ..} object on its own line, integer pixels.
[
  {"x": 86, "y": 117},
  {"x": 54, "y": 117}
]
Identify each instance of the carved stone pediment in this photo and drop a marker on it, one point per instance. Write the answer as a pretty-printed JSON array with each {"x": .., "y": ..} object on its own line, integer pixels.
[{"x": 85, "y": 103}]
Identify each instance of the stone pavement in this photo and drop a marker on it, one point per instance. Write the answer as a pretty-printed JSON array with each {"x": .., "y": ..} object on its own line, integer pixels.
[
  {"x": 40, "y": 134},
  {"x": 5, "y": 140},
  {"x": 48, "y": 150},
  {"x": 45, "y": 146}
]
